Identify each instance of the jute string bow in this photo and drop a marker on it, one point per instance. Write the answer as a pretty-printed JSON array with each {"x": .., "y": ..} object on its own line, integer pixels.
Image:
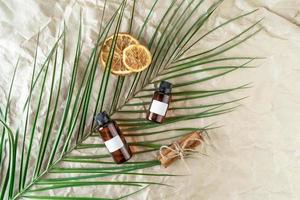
[{"x": 180, "y": 149}]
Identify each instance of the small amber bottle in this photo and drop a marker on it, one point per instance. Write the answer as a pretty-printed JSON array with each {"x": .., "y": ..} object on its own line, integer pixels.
[
  {"x": 112, "y": 138},
  {"x": 160, "y": 103}
]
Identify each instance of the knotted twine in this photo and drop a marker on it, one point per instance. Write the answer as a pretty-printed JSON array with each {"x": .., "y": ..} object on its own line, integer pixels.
[{"x": 180, "y": 149}]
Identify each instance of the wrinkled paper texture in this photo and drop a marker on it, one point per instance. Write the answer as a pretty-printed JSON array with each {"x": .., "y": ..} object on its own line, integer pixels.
[{"x": 254, "y": 155}]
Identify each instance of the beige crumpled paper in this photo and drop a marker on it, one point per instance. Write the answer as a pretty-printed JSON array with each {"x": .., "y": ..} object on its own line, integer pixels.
[{"x": 254, "y": 156}]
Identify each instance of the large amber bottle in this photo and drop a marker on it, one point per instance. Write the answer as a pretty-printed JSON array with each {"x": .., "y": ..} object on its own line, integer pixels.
[{"x": 112, "y": 138}]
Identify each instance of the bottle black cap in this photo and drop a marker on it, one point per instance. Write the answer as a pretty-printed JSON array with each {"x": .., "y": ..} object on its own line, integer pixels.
[
  {"x": 165, "y": 87},
  {"x": 101, "y": 119}
]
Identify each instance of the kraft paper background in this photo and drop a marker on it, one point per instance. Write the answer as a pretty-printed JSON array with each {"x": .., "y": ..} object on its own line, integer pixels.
[{"x": 255, "y": 154}]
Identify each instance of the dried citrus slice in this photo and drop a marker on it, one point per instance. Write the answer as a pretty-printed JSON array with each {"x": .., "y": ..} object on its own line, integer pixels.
[
  {"x": 123, "y": 40},
  {"x": 136, "y": 58}
]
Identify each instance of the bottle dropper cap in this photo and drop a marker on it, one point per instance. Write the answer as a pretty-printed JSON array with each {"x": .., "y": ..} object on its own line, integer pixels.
[
  {"x": 101, "y": 119},
  {"x": 165, "y": 87}
]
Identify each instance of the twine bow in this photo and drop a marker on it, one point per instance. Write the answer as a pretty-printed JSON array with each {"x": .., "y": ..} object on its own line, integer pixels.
[{"x": 179, "y": 151}]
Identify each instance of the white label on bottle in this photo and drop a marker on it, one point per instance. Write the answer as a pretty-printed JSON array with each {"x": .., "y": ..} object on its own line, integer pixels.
[
  {"x": 114, "y": 144},
  {"x": 158, "y": 107}
]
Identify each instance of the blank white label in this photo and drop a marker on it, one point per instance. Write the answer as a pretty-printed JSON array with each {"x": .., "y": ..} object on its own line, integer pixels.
[
  {"x": 158, "y": 107},
  {"x": 114, "y": 144}
]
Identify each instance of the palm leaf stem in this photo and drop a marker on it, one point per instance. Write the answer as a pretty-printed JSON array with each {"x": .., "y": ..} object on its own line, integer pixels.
[{"x": 53, "y": 163}]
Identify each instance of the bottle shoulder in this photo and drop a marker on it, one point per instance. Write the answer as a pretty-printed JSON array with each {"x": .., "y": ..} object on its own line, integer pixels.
[
  {"x": 158, "y": 93},
  {"x": 160, "y": 96}
]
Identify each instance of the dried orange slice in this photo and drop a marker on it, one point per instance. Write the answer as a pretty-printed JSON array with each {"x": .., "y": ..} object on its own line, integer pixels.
[
  {"x": 123, "y": 40},
  {"x": 136, "y": 58}
]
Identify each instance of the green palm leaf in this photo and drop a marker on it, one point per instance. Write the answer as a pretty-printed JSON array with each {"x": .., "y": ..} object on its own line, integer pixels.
[{"x": 68, "y": 130}]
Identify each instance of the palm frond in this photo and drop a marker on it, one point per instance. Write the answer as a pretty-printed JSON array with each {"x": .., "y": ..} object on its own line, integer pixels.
[{"x": 68, "y": 130}]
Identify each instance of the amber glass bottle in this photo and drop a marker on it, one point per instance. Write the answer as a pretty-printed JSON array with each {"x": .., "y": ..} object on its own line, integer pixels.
[
  {"x": 112, "y": 138},
  {"x": 160, "y": 103}
]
